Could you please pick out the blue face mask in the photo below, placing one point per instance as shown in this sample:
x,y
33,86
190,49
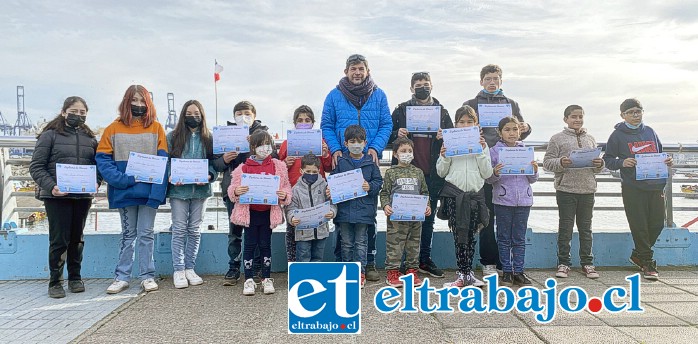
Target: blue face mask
x,y
632,126
498,91
310,178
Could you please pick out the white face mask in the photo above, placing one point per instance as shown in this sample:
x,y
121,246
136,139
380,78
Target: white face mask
x,y
355,148
405,158
243,120
263,151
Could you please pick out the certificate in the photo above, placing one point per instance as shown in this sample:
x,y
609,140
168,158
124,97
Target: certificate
x,y
76,178
516,160
146,168
346,185
423,118
582,158
409,207
311,217
189,171
304,141
263,188
491,114
462,141
231,138
651,166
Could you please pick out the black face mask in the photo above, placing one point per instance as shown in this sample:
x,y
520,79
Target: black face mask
x,y
422,93
310,178
138,111
192,122
74,120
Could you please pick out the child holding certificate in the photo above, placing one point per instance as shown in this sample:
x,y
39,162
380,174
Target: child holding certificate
x,y
355,215
643,199
462,199
135,130
303,118
310,191
512,198
403,236
64,140
190,139
574,190
259,220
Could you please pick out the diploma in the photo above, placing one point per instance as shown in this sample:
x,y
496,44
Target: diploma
x,y
311,217
582,158
516,160
409,207
462,141
423,118
189,171
231,138
77,179
263,188
651,166
346,185
304,141
491,114
146,168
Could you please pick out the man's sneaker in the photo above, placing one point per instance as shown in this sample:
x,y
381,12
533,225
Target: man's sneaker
x,y
231,277
363,280
417,280
56,292
149,285
392,278
635,260
470,279
180,280
489,270
458,283
650,272
76,286
507,279
563,271
430,268
268,284
590,271
521,279
249,287
371,273
117,287
192,277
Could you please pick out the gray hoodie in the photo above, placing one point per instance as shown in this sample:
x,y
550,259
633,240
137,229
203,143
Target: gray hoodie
x,y
306,196
572,180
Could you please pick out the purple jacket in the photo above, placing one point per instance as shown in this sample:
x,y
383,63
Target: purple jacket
x,y
511,191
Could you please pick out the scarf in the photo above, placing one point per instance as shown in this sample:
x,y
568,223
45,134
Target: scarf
x,y
357,94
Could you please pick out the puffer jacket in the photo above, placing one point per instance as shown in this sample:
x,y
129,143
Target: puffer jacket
x,y
362,209
74,146
338,113
572,180
490,134
508,190
306,196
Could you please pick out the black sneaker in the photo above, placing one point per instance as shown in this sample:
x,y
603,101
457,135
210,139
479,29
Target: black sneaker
x,y
231,277
76,286
635,260
507,279
650,272
56,292
430,268
372,274
521,279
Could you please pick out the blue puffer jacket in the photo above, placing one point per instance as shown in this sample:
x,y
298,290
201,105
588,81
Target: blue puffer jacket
x,y
338,113
362,209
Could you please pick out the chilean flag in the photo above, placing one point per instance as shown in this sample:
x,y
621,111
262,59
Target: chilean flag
x,y
217,71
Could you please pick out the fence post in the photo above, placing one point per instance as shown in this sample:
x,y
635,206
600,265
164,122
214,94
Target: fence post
x,y
669,199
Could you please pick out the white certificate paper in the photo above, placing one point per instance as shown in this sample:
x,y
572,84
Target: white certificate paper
x,y
189,171
423,119
516,160
77,179
304,141
263,188
231,138
491,114
462,141
311,217
409,207
146,168
651,166
346,185
582,158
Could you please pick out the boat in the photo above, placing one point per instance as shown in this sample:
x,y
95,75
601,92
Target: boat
x,y
689,191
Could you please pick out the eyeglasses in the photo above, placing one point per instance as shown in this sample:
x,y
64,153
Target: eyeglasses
x,y
420,74
488,79
635,113
355,58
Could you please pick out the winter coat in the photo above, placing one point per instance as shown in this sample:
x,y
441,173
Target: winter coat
x,y
626,143
193,149
362,209
508,190
571,180
307,196
490,133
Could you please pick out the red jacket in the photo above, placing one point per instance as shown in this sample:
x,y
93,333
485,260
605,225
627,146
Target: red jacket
x,y
294,172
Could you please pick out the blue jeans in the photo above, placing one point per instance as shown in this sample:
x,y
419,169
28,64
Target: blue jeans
x,y
354,242
310,251
136,225
511,236
371,248
187,215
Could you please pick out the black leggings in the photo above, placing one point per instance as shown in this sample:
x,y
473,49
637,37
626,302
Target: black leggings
x,y
66,222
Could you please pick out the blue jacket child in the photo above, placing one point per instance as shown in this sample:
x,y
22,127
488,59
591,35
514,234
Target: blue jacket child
x,y
362,209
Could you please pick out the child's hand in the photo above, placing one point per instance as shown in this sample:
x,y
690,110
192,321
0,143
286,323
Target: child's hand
x,y
241,190
524,127
329,215
535,166
327,192
57,192
629,162
402,132
440,134
388,210
443,151
498,169
290,160
428,212
281,194
229,156
669,161
325,149
483,143
598,162
565,162
295,221
365,186
177,183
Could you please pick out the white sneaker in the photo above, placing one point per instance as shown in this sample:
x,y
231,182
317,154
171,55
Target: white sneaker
x,y
474,281
180,279
268,284
149,285
117,287
489,270
192,277
249,287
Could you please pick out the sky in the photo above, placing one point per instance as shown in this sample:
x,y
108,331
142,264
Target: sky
x,y
281,54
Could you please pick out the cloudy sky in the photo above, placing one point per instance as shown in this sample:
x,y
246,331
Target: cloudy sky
x,y
281,54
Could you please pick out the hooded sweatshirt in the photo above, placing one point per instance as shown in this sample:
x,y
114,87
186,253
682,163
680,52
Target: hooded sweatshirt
x,y
626,143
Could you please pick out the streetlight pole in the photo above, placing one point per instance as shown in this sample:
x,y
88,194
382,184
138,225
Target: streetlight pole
x,y
283,132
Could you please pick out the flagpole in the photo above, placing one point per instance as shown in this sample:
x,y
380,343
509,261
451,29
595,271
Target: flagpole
x,y
215,89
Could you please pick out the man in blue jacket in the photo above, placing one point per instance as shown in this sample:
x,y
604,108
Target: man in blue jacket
x,y
357,100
